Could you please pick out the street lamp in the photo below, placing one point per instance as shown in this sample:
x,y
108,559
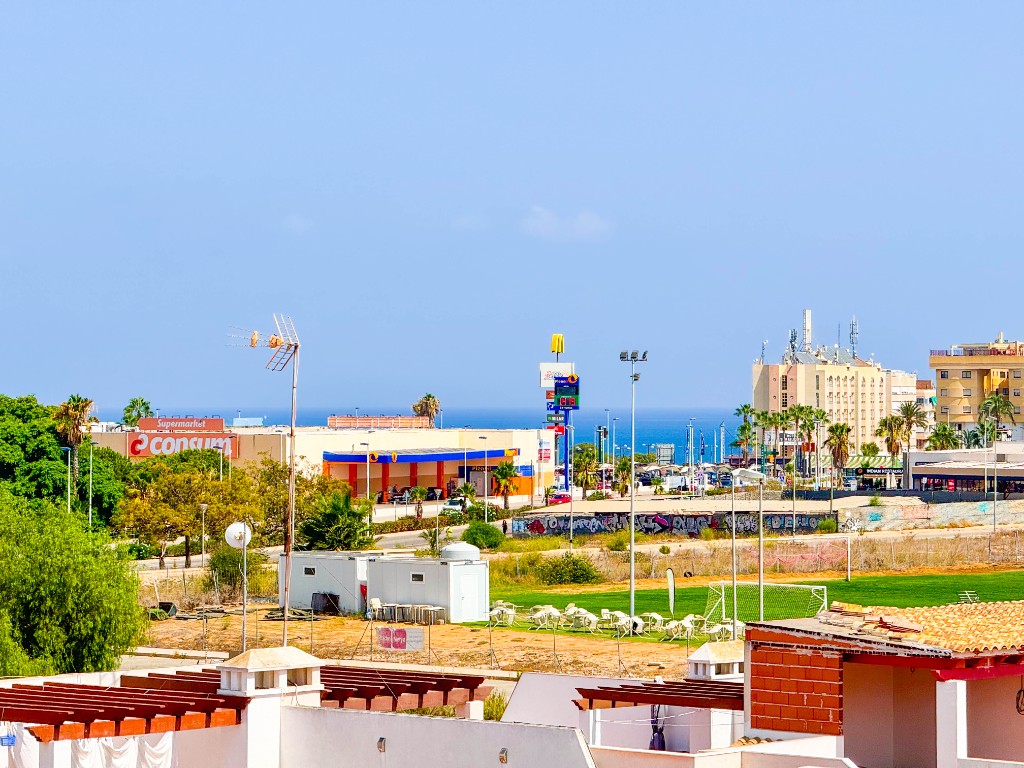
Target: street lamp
x,y
607,426
202,542
68,452
571,527
614,446
632,358
486,488
742,474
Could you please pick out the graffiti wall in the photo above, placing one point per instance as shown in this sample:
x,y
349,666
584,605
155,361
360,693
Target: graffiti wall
x,y
679,525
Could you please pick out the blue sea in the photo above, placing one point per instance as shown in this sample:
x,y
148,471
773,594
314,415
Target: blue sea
x,y
653,425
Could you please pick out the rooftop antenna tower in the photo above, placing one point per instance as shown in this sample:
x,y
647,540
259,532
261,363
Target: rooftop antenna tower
x,y
854,335
792,340
807,330
764,343
284,344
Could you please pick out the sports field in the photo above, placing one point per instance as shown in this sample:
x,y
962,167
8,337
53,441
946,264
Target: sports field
x,y
896,591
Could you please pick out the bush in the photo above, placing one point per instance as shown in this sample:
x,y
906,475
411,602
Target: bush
x,y
598,496
707,534
532,544
137,551
619,541
568,569
664,549
226,563
483,535
828,525
494,705
875,501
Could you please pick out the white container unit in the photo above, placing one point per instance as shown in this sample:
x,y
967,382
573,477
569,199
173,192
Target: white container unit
x,y
336,573
458,582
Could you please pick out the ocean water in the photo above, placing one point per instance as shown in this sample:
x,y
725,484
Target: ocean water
x,y
653,425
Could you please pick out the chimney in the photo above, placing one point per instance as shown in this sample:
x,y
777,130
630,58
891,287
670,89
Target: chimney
x,y
807,330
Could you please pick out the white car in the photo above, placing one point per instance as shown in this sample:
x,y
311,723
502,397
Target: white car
x,y
454,504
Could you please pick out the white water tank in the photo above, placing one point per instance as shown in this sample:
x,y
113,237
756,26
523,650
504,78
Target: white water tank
x,y
460,550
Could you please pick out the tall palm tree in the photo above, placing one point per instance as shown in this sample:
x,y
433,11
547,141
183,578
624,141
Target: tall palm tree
x,y
137,408
800,416
997,407
419,495
505,475
70,420
744,436
943,438
762,421
890,429
911,417
838,444
428,406
584,468
747,412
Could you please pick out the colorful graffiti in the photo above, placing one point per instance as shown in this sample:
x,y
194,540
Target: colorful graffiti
x,y
679,525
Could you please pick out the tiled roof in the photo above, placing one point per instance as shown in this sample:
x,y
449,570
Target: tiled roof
x,y
959,627
727,652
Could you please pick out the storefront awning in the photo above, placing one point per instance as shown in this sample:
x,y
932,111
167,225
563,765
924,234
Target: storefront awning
x,y
416,455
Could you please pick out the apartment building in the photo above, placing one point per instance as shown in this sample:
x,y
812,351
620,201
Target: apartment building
x,y
850,390
966,373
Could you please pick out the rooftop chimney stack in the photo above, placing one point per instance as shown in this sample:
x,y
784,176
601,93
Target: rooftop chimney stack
x,y
807,330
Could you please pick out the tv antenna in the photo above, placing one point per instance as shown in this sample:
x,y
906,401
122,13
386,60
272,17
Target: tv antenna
x,y
285,346
854,335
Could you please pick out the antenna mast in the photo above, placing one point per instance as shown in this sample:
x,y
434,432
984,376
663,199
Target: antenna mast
x,y
854,335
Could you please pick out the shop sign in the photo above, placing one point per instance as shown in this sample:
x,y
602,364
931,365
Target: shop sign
x,y
550,371
146,444
400,638
181,424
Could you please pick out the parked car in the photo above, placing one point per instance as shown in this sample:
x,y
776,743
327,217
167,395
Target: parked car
x,y
435,494
559,498
455,504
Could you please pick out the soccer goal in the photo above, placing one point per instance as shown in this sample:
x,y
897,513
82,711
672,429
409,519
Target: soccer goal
x,y
781,601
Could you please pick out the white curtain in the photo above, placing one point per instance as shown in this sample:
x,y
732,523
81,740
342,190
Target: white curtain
x,y
86,753
154,751
25,752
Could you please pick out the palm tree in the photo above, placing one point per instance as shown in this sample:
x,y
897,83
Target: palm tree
x,y
838,444
745,412
137,408
467,491
911,416
762,421
997,407
622,478
505,475
890,429
799,416
973,437
744,436
584,469
70,419
428,406
943,438
418,494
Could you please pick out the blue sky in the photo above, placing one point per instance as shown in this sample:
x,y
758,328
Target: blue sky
x,y
431,190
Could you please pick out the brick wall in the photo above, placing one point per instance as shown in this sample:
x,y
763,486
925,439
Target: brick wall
x,y
795,689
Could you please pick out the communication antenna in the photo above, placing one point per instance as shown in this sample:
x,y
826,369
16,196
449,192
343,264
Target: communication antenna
x,y
285,345
792,340
854,335
764,344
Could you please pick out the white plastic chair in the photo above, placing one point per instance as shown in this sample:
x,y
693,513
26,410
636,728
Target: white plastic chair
x,y
376,608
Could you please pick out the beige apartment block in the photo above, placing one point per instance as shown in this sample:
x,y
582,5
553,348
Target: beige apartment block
x,y
966,373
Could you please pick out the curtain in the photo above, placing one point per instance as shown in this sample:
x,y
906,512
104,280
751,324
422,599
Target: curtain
x,y
156,750
152,751
25,752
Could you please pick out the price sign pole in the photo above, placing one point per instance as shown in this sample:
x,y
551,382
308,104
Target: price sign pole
x,y
566,398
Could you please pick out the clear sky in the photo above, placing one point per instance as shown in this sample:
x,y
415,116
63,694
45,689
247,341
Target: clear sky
x,y
432,189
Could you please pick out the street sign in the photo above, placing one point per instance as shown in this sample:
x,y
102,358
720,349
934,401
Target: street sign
x,y
567,392
556,418
551,406
549,394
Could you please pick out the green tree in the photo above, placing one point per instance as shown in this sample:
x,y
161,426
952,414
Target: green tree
x,y
31,465
505,475
584,467
744,437
71,419
467,491
428,406
483,535
838,445
658,483
944,437
911,417
418,495
800,416
870,449
997,407
436,538
70,598
622,476
137,408
339,523
890,429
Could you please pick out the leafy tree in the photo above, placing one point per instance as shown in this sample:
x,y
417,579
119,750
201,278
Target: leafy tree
x,y
483,535
658,484
14,661
31,464
436,538
71,419
997,407
428,406
869,449
467,491
418,495
911,417
339,523
584,467
745,435
890,429
137,408
505,475
943,438
71,600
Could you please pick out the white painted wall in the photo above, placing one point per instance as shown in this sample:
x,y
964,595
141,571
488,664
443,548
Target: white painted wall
x,y
460,587
544,699
336,573
868,714
913,718
313,737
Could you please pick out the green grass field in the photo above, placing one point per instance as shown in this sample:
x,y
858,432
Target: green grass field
x,y
895,591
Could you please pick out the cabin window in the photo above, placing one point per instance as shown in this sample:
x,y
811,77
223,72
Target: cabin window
x,y
308,570
416,577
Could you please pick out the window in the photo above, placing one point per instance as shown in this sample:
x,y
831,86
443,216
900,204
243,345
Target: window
x,y
308,570
1016,409
945,409
967,409
785,401
1006,391
965,374
943,374
817,382
942,393
785,383
967,393
415,577
1016,374
1016,393
817,401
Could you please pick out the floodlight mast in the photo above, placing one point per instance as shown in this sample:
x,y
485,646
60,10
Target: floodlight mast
x,y
285,344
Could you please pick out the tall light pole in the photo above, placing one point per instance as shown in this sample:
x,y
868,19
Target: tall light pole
x,y
632,358
607,426
68,452
486,484
367,444
614,446
740,474
238,536
202,542
571,519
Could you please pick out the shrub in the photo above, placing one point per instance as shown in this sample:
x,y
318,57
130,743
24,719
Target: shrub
x,y
707,534
532,544
619,541
494,705
598,496
483,535
664,549
226,563
875,501
828,525
568,569
138,551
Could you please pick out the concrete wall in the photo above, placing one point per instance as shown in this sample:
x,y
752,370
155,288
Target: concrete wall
x,y
319,737
991,715
461,588
543,699
337,575
868,714
914,718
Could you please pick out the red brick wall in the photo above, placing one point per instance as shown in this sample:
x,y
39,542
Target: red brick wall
x,y
794,689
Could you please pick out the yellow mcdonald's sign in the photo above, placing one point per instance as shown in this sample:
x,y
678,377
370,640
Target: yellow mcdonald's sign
x,y
557,343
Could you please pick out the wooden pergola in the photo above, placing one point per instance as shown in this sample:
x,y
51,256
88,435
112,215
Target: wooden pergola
x,y
699,694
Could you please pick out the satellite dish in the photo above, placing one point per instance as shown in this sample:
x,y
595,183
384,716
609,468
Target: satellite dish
x,y
238,535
